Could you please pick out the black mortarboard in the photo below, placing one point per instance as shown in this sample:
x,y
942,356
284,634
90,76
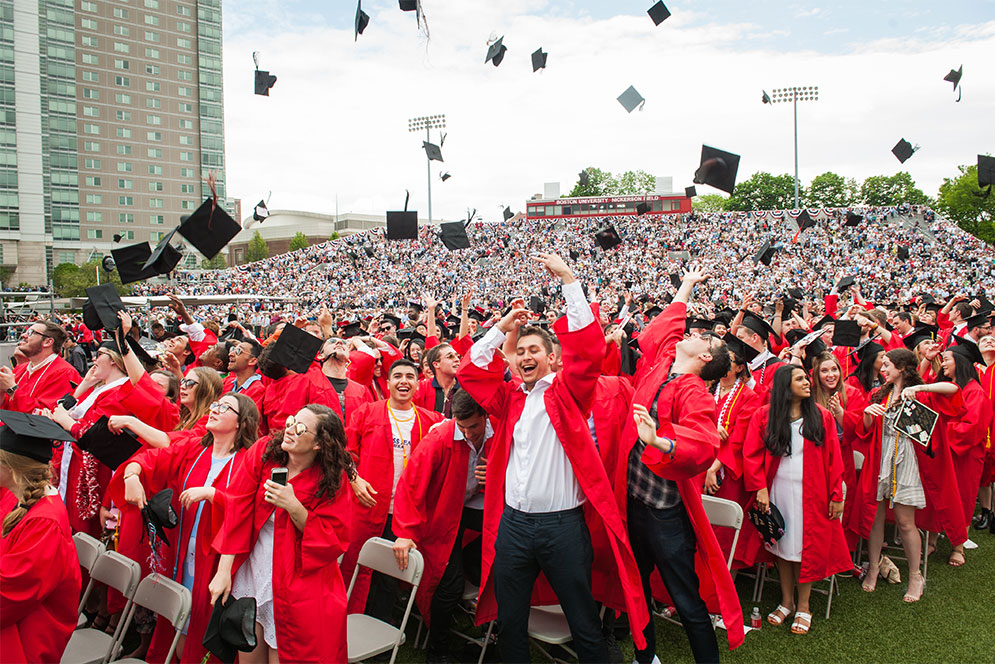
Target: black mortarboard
x,y
362,20
165,257
30,435
507,213
410,333
968,349
954,76
659,13
642,208
105,303
477,315
921,333
260,213
765,254
845,282
846,333
690,192
852,218
417,306
295,349
758,325
630,99
209,228
825,320
353,329
653,311
453,235
585,179
107,263
986,170
496,51
453,319
231,628
444,176
607,238
978,319
747,353
696,323
130,262
539,59
574,254
903,150
407,5
158,515
718,168
903,252
395,320
868,349
676,280
264,81
402,225
796,293
432,151
537,304
804,220
108,448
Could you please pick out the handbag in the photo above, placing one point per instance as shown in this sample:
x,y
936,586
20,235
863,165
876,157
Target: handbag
x,y
770,524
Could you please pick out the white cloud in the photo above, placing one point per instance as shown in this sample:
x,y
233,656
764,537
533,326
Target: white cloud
x,y
336,121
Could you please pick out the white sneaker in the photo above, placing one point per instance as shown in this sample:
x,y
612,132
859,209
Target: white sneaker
x,y
970,544
656,660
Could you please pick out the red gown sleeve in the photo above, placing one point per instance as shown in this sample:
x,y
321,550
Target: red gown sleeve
x,y
582,353
462,344
431,342
486,386
832,304
361,366
662,334
411,498
326,531
238,505
612,364
697,439
755,452
834,467
26,577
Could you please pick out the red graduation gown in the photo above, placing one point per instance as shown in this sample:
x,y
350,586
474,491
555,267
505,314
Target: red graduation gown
x,y
41,389
988,385
428,504
853,412
362,366
689,405
968,435
39,585
286,396
428,394
567,401
371,444
824,548
763,378
943,510
309,595
255,391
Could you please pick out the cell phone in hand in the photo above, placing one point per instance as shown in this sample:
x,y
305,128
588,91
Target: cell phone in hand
x,y
279,476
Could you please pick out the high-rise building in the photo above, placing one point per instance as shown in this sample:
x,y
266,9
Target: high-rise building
x,y
111,118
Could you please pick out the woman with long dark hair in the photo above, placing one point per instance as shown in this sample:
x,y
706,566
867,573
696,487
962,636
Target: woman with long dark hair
x,y
791,458
867,376
286,539
915,483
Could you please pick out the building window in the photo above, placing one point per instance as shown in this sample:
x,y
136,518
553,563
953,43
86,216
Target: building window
x,y
120,12
186,188
155,203
95,217
127,218
121,48
154,136
152,70
187,173
91,146
184,75
122,30
183,26
124,149
152,102
153,119
91,163
92,181
90,59
151,19
122,99
91,111
88,24
184,91
152,4
155,169
125,184
88,41
121,64
124,116
124,167
126,201
124,132
184,59
156,236
91,76
155,186
88,6
186,108
90,93
152,53
155,153
188,205
186,140
186,156
186,124
91,129
94,199
182,11
157,220
151,36
183,43
123,81
94,233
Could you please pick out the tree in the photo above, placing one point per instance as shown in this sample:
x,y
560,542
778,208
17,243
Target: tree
x,y
69,282
335,235
299,241
603,183
961,201
599,183
632,183
764,191
827,190
891,190
257,249
216,263
708,203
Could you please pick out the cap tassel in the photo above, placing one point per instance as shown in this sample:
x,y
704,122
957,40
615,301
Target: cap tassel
x,y
211,181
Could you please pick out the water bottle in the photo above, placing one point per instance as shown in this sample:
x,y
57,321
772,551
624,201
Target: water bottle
x,y
668,611
755,618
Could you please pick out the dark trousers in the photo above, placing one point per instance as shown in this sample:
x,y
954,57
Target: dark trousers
x,y
449,592
663,539
559,545
383,589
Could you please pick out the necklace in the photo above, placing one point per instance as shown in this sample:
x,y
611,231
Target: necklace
x,y
734,392
894,456
397,426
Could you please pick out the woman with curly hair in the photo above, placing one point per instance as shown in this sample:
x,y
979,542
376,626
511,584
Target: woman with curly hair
x,y
282,541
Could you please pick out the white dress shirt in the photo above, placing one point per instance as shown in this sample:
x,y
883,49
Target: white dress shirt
x,y
473,497
539,477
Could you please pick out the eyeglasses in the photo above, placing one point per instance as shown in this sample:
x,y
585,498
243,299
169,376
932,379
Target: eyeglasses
x,y
221,408
28,332
237,350
189,382
298,428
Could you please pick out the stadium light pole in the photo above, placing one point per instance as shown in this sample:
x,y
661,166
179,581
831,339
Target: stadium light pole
x,y
794,94
428,123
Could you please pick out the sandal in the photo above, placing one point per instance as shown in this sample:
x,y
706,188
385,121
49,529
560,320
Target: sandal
x,y
871,579
909,597
954,562
799,627
778,615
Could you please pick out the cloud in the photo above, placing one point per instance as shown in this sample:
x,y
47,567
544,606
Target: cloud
x,y
335,126
814,11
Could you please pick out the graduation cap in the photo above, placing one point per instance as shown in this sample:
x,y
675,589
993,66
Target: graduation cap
x,y
539,60
574,254
903,252
642,208
165,257
676,280
295,349
30,435
978,319
453,235
846,333
765,98
496,51
845,282
130,262
537,304
868,350
795,293
630,99
117,237
411,333
209,228
903,150
402,225
745,352
653,311
408,5
159,515
954,76
263,82
967,349
432,151
607,238
690,192
804,220
362,20
231,628
394,320
764,254
584,179
758,325
260,213
368,250
717,168
108,264
353,329
696,323
444,176
108,448
659,13
477,315
922,332
104,304
507,213
853,219
825,320
986,173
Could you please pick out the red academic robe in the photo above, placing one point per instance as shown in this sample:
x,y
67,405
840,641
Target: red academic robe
x,y
286,396
41,389
689,405
428,504
39,585
612,363
988,385
183,465
968,435
824,548
362,367
568,401
197,348
309,595
763,378
371,444
943,510
429,394
462,345
255,391
853,411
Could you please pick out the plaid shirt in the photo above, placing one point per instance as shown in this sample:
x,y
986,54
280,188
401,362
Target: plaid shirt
x,y
645,485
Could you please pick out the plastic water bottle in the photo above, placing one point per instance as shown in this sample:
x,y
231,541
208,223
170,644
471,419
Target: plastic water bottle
x,y
755,621
668,611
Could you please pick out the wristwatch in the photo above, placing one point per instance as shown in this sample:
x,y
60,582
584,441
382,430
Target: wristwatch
x,y
10,390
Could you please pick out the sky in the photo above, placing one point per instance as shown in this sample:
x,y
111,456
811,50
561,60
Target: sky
x,y
333,134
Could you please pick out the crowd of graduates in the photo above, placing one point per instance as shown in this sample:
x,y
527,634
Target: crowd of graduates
x,y
547,434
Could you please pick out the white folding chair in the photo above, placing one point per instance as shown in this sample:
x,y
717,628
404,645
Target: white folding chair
x,y
90,646
88,549
164,597
366,635
548,624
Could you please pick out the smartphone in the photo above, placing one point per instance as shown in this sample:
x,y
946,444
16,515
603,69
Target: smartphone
x,y
279,475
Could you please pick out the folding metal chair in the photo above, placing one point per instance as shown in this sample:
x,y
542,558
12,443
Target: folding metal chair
x,y
88,549
166,598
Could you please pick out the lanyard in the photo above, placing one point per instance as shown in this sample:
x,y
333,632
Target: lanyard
x,y
404,450
183,487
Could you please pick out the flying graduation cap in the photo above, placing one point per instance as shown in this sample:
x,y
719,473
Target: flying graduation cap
x,y
765,98
402,225
690,192
209,228
496,51
608,238
295,349
408,5
260,213
539,60
131,261
853,219
903,150
659,13
264,80
444,176
717,168
362,20
507,213
432,151
986,174
631,99
642,208
584,179
764,254
165,257
954,77
453,235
